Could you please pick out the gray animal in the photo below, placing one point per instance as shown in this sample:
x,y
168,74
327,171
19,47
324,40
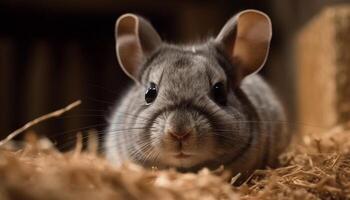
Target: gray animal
x,y
197,105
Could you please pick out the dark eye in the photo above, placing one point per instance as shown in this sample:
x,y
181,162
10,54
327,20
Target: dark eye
x,y
151,93
219,93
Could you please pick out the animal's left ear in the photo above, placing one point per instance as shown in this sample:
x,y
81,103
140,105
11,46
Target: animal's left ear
x,y
136,39
246,39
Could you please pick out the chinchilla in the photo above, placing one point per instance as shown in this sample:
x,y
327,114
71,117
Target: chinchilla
x,y
196,105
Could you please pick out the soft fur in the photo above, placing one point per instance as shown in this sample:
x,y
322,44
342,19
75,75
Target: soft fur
x,y
244,134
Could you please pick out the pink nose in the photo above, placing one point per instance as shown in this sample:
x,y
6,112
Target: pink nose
x,y
179,135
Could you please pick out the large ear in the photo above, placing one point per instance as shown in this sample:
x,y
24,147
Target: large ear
x,y
135,40
246,38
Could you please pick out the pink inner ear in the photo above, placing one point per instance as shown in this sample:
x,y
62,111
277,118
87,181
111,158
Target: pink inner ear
x,y
135,40
253,40
127,44
255,27
128,53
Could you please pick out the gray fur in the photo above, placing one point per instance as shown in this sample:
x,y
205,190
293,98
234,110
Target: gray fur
x,y
186,77
245,134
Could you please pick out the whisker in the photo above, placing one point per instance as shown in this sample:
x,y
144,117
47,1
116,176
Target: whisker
x,y
138,152
100,101
133,115
102,87
81,116
93,110
101,134
274,122
85,128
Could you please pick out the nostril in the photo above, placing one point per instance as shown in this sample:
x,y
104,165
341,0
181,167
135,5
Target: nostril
x,y
179,135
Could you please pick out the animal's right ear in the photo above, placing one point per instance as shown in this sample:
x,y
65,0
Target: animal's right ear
x,y
246,39
135,39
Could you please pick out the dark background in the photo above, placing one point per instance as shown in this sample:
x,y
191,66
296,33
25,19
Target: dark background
x,y
54,52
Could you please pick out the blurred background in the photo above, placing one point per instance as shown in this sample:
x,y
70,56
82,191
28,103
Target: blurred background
x,y
54,52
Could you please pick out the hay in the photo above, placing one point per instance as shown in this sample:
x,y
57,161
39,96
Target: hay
x,y
28,125
318,167
313,168
39,171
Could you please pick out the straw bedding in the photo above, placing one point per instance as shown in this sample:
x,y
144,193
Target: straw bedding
x,y
314,167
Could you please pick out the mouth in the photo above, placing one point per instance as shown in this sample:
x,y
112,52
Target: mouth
x,y
181,159
182,155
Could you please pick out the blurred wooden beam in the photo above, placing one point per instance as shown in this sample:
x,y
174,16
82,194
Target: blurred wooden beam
x,y
323,64
7,78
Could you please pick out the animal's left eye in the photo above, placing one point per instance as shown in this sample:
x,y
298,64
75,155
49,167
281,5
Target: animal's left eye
x,y
219,93
151,93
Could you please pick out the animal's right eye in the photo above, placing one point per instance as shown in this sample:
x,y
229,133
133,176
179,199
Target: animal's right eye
x,y
219,93
151,93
